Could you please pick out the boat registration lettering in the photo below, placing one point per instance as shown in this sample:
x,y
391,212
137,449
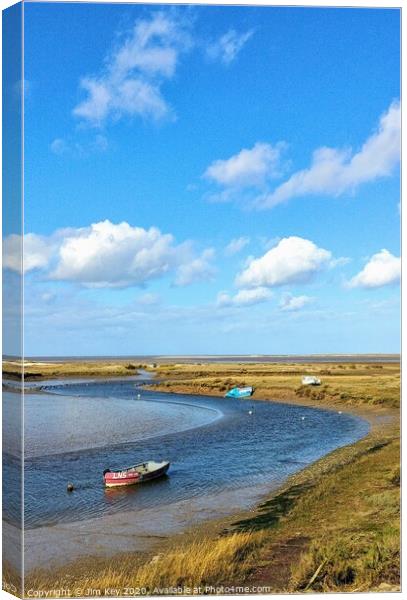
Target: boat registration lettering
x,y
124,475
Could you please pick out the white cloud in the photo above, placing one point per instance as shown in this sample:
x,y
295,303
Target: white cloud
x,y
382,269
268,243
292,260
292,303
37,252
64,147
336,171
131,82
236,245
196,270
109,255
224,299
339,262
228,46
247,168
58,146
12,252
244,297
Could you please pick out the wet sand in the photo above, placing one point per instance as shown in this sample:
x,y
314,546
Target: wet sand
x,y
141,531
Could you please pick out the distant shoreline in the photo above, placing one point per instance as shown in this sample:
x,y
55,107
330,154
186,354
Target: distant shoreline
x,y
218,358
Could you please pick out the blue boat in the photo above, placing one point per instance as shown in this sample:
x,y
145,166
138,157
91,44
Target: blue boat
x,y
240,392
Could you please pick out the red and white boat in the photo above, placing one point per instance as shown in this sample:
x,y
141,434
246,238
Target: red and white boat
x,y
136,474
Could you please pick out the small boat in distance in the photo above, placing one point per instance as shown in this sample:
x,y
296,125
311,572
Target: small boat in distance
x,y
240,392
135,474
310,380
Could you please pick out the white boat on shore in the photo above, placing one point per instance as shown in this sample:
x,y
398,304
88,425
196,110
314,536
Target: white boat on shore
x,y
310,380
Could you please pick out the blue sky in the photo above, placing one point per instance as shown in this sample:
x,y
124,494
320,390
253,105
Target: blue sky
x,y
211,180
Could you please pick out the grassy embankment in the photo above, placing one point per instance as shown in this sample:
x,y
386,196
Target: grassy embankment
x,y
87,368
351,384
338,529
333,527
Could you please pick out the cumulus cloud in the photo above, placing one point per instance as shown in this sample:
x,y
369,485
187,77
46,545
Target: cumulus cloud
x,y
244,297
291,303
196,270
335,171
382,269
132,79
292,260
247,176
37,252
249,167
108,255
236,245
13,252
228,46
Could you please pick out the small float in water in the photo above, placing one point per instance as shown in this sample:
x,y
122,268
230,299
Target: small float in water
x,y
135,474
240,392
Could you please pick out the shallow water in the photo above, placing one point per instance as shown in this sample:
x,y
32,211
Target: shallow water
x,y
75,423
214,445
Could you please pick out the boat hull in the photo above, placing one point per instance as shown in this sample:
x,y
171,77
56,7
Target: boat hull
x,y
236,392
136,474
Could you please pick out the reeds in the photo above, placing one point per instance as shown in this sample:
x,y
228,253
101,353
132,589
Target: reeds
x,y
207,562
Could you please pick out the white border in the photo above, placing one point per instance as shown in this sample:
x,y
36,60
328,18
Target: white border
x,y
319,3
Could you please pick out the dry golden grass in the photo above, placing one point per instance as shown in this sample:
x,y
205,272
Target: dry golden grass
x,y
95,368
342,383
11,579
355,384
200,563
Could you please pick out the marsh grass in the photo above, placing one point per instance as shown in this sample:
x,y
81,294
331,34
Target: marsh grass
x,y
203,562
86,368
341,514
349,565
11,579
371,384
356,384
352,517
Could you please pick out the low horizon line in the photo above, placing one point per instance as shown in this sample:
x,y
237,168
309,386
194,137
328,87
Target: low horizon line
x,y
251,355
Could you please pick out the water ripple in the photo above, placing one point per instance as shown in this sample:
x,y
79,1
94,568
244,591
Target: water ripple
x,y
213,444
